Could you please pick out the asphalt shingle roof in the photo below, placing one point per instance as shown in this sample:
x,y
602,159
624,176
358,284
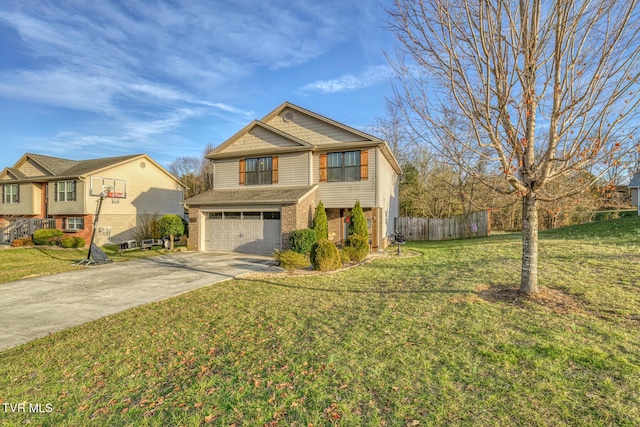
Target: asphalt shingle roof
x,y
272,195
71,168
635,181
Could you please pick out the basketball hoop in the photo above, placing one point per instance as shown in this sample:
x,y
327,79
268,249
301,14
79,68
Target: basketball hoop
x,y
115,195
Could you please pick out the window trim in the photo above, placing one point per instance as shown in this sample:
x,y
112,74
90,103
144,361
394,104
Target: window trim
x,y
67,192
342,168
66,227
11,197
261,176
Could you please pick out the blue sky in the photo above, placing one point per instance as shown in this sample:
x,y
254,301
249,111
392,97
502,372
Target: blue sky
x,y
85,79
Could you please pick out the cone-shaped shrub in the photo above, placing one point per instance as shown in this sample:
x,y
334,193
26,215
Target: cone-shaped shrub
x,y
358,224
320,222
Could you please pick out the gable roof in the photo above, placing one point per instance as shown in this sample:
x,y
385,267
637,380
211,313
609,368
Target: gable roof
x,y
342,126
635,181
70,169
298,144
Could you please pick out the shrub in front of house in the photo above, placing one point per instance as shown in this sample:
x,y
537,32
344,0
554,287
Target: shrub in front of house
x,y
358,247
320,222
290,260
358,224
345,257
46,236
68,242
325,256
72,242
300,241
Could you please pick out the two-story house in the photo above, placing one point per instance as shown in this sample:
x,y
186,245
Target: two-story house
x,y
270,176
66,193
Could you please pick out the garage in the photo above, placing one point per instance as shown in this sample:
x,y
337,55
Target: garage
x,y
243,231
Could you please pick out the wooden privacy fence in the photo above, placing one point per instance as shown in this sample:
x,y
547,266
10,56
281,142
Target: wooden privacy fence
x,y
475,224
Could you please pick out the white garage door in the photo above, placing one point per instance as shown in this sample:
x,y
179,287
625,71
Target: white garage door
x,y
249,232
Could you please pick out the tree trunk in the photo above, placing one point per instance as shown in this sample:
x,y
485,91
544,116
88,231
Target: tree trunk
x,y
529,276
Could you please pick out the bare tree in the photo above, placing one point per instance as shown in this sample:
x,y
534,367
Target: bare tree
x,y
549,88
195,172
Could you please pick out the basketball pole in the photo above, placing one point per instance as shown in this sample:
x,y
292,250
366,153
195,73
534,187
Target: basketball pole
x,y
103,196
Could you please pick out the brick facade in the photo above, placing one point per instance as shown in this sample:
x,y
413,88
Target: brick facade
x,y
193,241
85,233
295,217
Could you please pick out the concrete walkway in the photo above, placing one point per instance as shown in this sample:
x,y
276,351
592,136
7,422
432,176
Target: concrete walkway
x,y
33,308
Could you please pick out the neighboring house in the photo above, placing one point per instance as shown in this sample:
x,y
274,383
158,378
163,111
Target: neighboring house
x,y
270,176
634,186
67,191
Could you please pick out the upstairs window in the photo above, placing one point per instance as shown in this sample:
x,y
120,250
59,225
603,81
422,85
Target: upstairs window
x,y
259,171
11,193
65,191
343,166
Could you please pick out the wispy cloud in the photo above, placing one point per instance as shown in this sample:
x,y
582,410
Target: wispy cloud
x,y
371,76
144,65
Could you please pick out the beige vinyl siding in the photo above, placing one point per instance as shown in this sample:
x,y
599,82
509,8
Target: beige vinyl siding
x,y
116,228
259,139
76,207
312,130
26,205
148,190
30,168
387,193
344,194
293,170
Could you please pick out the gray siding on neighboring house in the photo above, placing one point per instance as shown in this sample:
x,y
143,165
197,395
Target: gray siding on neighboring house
x,y
388,197
312,130
293,171
634,196
344,194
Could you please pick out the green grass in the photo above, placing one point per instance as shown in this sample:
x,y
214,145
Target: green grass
x,y
387,343
20,263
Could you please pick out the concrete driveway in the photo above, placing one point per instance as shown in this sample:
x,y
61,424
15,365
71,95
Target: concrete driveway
x,y
33,308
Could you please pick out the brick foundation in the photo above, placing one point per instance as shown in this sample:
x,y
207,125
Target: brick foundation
x,y
85,234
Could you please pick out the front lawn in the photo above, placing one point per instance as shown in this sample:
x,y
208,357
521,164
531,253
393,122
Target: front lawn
x,y
436,339
20,263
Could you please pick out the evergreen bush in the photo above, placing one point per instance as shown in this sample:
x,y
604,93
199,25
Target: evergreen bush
x,y
320,222
42,236
290,260
79,242
358,247
358,224
325,256
300,241
345,257
68,242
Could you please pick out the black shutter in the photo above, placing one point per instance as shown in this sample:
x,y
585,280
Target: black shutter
x,y
55,191
64,223
3,193
73,191
17,193
81,224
